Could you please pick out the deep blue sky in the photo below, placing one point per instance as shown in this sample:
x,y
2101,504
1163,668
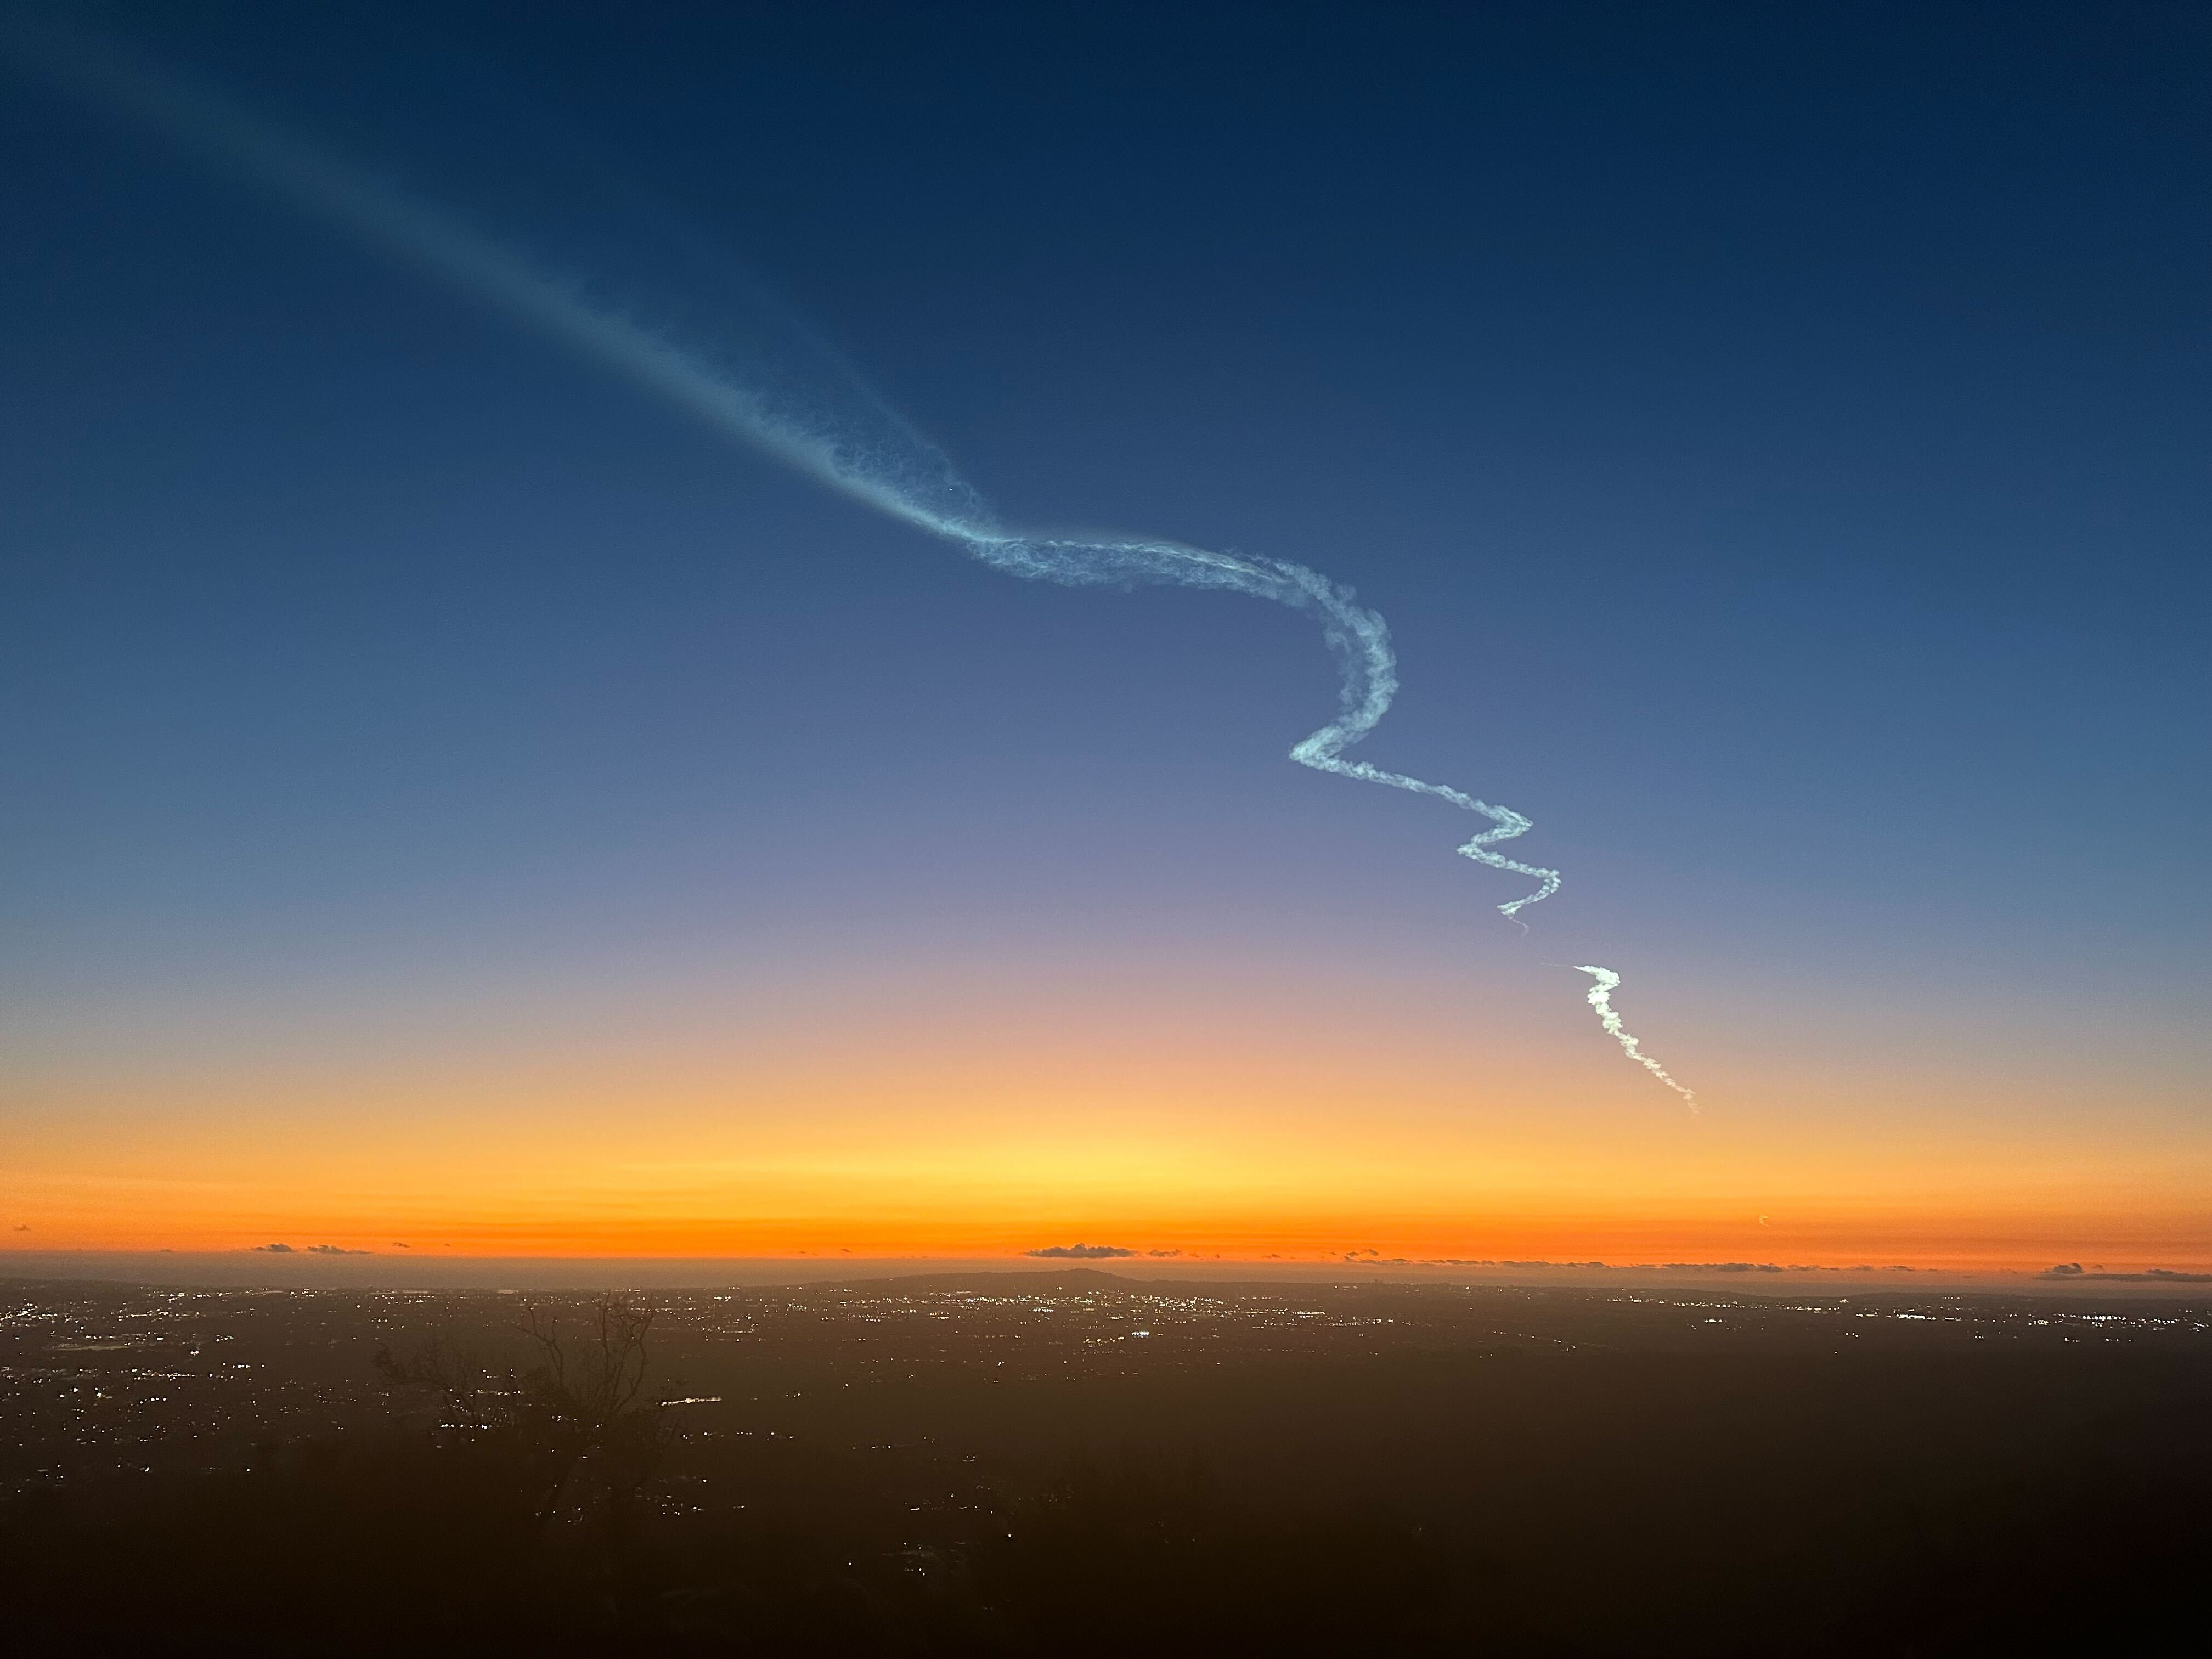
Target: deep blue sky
x,y
1777,435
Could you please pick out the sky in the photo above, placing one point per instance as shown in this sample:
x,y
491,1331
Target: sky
x,y
457,801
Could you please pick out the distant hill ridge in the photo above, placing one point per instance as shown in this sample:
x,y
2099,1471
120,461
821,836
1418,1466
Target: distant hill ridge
x,y
1013,1279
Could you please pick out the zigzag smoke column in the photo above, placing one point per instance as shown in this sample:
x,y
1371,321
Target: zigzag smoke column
x,y
795,401
1358,636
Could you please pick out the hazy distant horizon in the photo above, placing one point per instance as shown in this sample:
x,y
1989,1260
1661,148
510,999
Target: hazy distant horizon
x,y
307,1269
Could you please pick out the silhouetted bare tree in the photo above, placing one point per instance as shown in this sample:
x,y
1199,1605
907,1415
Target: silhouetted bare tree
x,y
581,1409
462,1392
587,1407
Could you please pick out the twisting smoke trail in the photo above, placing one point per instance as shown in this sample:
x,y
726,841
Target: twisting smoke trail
x,y
830,427
1358,636
824,423
1599,997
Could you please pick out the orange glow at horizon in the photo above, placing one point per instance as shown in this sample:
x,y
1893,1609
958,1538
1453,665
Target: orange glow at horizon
x,y
974,1123
1552,1180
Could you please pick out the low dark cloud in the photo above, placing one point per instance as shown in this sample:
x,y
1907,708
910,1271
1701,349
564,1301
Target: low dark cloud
x,y
1162,1253
1081,1252
2148,1276
276,1249
332,1249
24,1227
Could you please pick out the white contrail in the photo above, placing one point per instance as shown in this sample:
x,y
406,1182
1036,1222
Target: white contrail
x,y
826,426
833,431
1600,998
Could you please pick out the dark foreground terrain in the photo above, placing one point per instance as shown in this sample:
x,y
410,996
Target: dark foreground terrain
x,y
1077,1463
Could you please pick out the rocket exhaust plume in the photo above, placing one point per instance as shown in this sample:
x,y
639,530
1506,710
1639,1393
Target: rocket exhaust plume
x,y
1599,997
820,421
